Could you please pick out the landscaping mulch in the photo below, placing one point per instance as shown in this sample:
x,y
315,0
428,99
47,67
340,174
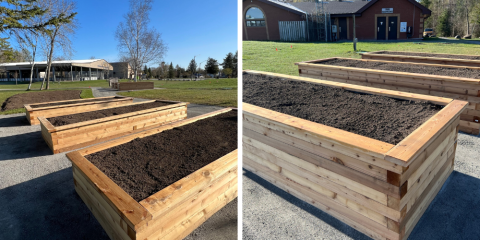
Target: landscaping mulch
x,y
431,55
404,67
379,117
147,165
87,116
18,100
72,102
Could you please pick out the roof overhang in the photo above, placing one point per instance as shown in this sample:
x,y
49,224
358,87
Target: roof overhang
x,y
296,11
425,10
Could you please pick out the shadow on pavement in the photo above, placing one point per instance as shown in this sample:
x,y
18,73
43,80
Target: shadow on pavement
x,y
340,226
25,145
47,208
453,214
455,211
18,121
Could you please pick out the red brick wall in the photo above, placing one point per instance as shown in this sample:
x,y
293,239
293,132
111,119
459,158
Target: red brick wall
x,y
366,23
273,14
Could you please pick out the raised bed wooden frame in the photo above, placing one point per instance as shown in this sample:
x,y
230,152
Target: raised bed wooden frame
x,y
67,109
378,188
125,86
420,59
172,213
82,134
466,89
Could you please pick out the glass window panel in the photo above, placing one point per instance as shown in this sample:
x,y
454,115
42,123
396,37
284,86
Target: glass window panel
x,y
254,13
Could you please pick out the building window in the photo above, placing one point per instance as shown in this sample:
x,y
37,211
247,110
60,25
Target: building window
x,y
254,17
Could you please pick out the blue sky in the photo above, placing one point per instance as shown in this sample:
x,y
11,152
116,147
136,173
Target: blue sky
x,y
190,28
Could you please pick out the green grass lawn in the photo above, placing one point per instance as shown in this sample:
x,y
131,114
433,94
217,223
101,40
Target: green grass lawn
x,y
218,92
210,83
86,93
262,56
216,97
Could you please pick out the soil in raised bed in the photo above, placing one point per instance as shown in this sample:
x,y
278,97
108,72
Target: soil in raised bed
x,y
18,100
147,165
72,102
403,67
386,119
431,55
87,116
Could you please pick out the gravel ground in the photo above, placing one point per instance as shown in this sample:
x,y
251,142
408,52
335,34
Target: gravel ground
x,y
37,195
271,213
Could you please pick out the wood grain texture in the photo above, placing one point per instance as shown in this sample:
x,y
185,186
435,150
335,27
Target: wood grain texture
x,y
173,212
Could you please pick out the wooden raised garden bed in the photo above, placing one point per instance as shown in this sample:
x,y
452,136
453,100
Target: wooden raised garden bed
x,y
125,86
170,213
80,134
445,59
467,89
60,108
378,188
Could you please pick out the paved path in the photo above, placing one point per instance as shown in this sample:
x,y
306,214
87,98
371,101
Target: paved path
x,y
37,196
271,213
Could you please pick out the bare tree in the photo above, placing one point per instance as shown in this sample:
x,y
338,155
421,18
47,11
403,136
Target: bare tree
x,y
136,40
28,40
57,36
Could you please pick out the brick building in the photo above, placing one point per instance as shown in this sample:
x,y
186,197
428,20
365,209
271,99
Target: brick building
x,y
375,19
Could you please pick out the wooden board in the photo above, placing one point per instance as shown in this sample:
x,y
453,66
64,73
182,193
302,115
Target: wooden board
x,y
172,213
66,109
420,59
465,89
377,188
77,135
125,86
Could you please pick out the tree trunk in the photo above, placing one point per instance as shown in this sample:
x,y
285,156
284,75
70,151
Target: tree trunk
x,y
49,63
34,50
43,82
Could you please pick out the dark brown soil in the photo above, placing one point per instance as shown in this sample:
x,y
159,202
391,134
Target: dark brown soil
x,y
18,100
431,55
401,67
72,102
147,165
386,119
86,116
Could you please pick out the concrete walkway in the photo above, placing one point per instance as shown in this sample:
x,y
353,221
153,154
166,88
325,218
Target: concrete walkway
x,y
37,195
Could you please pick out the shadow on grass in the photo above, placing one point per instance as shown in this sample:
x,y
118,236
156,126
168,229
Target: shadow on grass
x,y
25,145
453,214
47,208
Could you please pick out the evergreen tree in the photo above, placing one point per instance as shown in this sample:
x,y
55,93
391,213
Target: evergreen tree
x,y
228,61
15,13
444,25
171,72
178,73
192,67
211,67
235,65
145,70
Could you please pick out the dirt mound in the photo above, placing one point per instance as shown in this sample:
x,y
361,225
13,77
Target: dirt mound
x,y
17,101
